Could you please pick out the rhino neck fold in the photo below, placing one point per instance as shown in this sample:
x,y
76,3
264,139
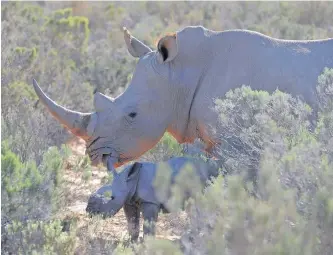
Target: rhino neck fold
x,y
192,61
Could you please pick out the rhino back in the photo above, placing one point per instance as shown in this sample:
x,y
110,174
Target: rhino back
x,y
205,170
236,58
146,190
265,63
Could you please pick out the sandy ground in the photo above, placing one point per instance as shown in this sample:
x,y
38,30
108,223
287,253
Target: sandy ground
x,y
77,191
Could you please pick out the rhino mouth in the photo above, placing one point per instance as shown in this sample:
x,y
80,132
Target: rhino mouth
x,y
96,206
94,210
98,155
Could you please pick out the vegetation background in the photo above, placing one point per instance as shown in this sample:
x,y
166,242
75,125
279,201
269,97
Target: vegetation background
x,y
73,48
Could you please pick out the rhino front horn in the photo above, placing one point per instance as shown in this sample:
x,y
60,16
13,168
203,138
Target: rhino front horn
x,y
76,122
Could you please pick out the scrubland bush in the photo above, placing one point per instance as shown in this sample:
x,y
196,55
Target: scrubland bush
x,y
29,133
28,190
166,148
325,124
286,206
252,120
29,194
38,237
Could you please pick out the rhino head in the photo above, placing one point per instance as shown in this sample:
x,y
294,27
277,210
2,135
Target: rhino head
x,y
109,199
155,102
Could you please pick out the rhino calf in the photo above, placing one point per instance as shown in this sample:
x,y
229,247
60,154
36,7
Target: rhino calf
x,y
134,190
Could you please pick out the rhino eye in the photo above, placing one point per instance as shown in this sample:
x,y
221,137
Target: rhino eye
x,y
132,114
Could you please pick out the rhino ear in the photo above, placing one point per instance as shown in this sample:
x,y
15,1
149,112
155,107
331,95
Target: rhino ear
x,y
102,102
167,48
135,47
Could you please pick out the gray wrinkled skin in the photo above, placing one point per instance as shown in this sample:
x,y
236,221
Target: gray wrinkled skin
x,y
133,189
176,95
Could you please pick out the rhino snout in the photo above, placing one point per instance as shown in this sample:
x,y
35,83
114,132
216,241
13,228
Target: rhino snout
x,y
94,203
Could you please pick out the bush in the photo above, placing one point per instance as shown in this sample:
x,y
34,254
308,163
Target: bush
x,y
29,194
166,147
38,237
29,133
28,191
252,120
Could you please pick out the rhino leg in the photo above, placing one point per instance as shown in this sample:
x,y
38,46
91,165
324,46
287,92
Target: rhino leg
x,y
150,214
132,213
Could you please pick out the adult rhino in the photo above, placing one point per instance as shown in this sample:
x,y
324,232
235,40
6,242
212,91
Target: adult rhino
x,y
173,88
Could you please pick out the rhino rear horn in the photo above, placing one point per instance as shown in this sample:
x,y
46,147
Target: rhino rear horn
x,y
76,122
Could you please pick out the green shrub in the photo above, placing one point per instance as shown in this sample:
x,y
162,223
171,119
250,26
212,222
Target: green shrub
x,y
38,237
28,191
20,90
324,128
250,120
29,133
166,147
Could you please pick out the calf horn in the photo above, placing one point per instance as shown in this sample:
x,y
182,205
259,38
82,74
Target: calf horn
x,y
76,122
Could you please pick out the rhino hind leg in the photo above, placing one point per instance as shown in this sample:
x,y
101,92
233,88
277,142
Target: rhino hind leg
x,y
150,215
132,213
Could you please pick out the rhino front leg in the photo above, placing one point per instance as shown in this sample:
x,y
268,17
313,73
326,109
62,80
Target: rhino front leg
x,y
150,214
132,213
